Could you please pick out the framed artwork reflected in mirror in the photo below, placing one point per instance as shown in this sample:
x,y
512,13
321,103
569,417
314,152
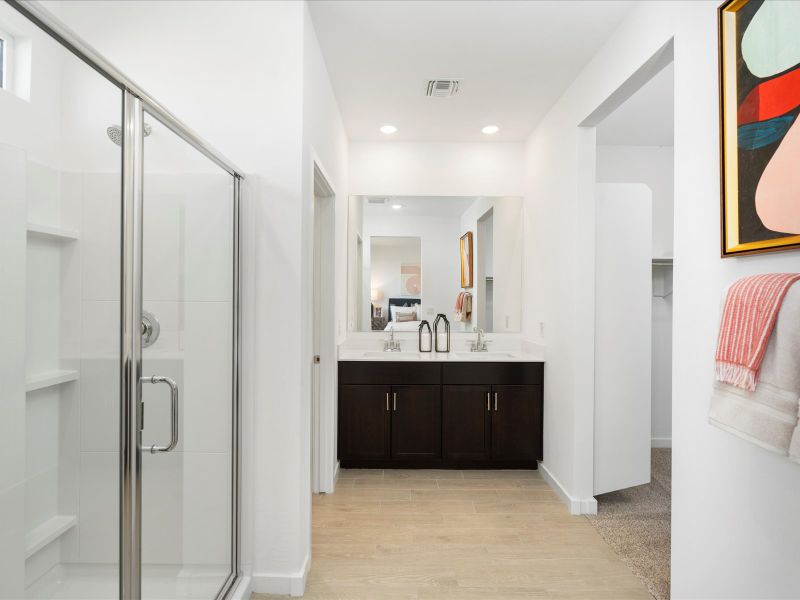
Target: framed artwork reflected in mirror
x,y
466,260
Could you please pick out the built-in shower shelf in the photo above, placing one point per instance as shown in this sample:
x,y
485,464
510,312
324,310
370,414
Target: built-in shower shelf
x,y
47,532
53,233
49,379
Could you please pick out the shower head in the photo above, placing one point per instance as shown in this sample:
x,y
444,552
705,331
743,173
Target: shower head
x,y
115,133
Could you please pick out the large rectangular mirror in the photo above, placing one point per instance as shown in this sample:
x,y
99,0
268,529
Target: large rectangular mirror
x,y
411,258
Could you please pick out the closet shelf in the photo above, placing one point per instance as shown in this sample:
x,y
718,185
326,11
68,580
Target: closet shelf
x,y
47,532
49,379
54,233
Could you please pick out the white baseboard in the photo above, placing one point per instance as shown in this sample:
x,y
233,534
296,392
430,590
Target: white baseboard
x,y
282,584
243,589
661,442
336,472
576,506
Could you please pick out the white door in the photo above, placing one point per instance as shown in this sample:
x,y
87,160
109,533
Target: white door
x,y
623,296
315,366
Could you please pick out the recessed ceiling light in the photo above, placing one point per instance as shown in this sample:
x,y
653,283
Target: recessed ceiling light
x,y
388,129
490,129
397,206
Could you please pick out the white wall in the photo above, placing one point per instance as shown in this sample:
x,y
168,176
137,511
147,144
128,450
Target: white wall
x,y
260,94
325,144
736,529
436,169
653,166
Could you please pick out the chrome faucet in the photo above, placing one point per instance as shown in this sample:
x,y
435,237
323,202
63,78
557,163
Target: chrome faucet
x,y
481,344
391,345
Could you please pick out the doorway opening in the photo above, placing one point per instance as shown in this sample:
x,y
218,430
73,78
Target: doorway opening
x,y
633,238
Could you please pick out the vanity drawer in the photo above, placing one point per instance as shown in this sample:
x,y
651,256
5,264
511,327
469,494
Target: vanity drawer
x,y
359,372
484,373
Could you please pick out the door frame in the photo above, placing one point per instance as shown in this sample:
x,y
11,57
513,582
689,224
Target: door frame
x,y
584,501
323,317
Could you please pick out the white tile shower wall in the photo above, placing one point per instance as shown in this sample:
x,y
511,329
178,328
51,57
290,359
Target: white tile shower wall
x,y
44,333
52,324
97,491
187,285
12,541
43,193
42,425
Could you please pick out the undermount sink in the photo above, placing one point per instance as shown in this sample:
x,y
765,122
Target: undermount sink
x,y
483,355
393,355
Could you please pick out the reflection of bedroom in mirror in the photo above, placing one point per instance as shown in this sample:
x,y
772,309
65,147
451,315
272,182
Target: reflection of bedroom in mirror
x,y
411,258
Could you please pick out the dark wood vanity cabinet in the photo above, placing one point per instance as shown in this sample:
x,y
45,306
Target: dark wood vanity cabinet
x,y
440,415
516,423
364,422
416,418
467,422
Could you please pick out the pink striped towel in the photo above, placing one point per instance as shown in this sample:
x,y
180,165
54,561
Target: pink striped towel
x,y
751,308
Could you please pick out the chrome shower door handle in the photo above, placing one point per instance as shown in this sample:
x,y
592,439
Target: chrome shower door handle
x,y
174,412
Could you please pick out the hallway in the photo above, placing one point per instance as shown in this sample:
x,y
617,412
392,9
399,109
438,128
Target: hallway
x,y
433,535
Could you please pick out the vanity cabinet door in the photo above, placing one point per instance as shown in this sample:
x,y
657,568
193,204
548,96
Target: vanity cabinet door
x,y
467,418
516,422
364,422
416,422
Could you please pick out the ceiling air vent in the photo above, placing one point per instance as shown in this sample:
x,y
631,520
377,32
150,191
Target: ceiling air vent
x,y
442,88
376,200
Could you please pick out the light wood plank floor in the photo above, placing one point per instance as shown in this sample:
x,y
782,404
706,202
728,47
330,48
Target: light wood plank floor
x,y
430,535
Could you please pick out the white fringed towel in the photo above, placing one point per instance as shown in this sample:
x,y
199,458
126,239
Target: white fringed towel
x,y
768,416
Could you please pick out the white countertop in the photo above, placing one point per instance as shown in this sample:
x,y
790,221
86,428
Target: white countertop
x,y
501,349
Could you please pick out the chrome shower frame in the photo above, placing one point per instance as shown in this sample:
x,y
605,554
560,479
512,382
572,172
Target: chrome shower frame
x,y
135,103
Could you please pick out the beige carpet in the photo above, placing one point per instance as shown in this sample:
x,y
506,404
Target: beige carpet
x,y
636,524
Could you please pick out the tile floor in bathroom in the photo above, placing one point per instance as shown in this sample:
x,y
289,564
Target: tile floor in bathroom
x,y
429,535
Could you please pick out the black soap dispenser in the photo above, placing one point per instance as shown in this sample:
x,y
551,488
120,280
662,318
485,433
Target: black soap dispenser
x,y
441,329
425,337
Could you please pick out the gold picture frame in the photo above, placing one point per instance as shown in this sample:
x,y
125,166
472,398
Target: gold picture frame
x,y
466,260
749,133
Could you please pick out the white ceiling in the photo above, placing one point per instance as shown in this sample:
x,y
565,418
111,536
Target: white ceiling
x,y
515,59
647,118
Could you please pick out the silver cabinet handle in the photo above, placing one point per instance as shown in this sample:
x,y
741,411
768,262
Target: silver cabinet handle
x,y
394,399
495,402
387,400
488,401
174,413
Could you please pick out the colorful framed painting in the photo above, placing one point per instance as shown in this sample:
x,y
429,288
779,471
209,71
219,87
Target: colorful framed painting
x,y
759,60
466,260
410,279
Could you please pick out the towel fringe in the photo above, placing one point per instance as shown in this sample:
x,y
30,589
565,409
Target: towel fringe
x,y
737,375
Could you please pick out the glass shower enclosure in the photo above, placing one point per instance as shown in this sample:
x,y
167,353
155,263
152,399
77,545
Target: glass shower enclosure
x,y
119,371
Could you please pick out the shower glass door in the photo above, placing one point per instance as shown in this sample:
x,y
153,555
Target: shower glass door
x,y
187,369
